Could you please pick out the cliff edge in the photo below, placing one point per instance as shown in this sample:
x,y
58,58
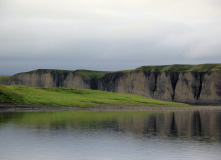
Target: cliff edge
x,y
195,84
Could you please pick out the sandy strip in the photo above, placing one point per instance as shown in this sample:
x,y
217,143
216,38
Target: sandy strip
x,y
28,108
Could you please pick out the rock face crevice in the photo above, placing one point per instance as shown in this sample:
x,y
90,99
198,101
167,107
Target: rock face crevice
x,y
109,82
188,87
197,87
174,78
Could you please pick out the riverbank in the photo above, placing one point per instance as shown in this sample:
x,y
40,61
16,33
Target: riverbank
x,y
30,108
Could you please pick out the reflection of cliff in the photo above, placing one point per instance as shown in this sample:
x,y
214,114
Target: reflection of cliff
x,y
189,87
196,124
173,124
179,124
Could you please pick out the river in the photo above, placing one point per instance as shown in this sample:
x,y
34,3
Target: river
x,y
92,135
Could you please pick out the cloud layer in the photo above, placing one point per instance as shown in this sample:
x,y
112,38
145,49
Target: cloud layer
x,y
107,35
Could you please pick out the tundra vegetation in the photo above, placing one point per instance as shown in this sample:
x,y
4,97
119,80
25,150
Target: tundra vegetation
x,y
73,97
181,68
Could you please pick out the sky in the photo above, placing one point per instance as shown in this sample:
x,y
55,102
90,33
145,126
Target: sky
x,y
107,35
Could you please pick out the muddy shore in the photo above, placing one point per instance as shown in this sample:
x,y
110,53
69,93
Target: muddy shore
x,y
28,108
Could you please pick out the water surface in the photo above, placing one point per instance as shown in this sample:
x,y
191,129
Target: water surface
x,y
84,135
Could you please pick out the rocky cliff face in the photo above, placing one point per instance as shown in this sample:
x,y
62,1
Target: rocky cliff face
x,y
49,79
188,87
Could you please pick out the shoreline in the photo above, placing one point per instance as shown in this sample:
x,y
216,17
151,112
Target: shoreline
x,y
108,108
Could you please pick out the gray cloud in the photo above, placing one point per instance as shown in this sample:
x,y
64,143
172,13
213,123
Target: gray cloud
x,y
107,35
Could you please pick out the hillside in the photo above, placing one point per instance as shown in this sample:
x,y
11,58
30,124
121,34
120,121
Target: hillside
x,y
73,97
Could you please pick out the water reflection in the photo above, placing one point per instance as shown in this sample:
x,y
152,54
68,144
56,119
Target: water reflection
x,y
189,125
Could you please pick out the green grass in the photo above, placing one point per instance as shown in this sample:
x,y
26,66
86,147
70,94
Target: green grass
x,y
181,68
73,97
10,96
88,74
91,74
51,71
4,77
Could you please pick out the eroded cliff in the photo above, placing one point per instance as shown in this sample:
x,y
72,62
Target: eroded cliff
x,y
188,87
165,83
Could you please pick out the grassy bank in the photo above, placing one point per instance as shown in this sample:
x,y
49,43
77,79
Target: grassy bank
x,y
73,97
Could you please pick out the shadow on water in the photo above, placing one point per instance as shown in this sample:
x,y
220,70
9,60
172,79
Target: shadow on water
x,y
173,128
196,124
189,125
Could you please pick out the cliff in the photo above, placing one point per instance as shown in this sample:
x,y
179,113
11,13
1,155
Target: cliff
x,y
196,84
187,87
83,79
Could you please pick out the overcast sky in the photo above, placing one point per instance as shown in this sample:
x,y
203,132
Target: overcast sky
x,y
107,34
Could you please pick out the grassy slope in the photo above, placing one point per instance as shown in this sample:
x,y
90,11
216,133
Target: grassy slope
x,y
10,96
73,97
